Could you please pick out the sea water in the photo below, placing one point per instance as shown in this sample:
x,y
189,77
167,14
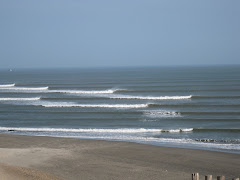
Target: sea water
x,y
191,107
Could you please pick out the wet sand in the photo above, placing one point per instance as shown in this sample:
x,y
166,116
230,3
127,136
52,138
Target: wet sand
x,y
39,157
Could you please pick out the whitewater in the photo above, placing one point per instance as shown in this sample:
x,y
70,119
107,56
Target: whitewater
x,y
182,107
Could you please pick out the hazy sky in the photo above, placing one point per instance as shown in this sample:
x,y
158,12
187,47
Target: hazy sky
x,y
90,33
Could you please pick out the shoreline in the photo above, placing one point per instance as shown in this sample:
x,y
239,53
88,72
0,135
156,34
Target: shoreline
x,y
167,145
69,158
158,144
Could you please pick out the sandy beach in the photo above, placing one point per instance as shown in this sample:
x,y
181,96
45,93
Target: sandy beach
x,y
31,157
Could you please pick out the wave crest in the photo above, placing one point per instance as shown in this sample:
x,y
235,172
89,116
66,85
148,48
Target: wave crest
x,y
158,114
153,98
20,99
6,85
109,91
98,105
24,88
120,130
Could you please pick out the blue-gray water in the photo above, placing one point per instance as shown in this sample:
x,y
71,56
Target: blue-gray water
x,y
192,107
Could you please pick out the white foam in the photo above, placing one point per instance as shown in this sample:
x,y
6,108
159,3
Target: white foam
x,y
109,91
24,88
178,130
11,88
152,98
161,113
97,105
119,130
6,85
124,134
20,99
187,130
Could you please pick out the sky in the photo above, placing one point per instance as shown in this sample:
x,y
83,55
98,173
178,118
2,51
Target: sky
x,y
106,33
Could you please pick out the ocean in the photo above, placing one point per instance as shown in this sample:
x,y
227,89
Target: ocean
x,y
186,107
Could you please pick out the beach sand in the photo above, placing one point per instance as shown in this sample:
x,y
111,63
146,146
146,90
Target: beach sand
x,y
39,157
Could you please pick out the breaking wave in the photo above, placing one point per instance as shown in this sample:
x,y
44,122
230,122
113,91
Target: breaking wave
x,y
6,85
109,91
24,88
152,98
98,105
12,87
20,99
120,130
178,130
129,134
157,114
